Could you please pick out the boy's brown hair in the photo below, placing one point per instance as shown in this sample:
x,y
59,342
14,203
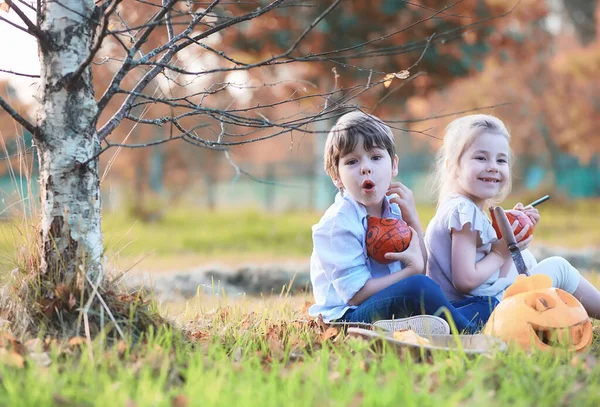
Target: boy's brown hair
x,y
343,136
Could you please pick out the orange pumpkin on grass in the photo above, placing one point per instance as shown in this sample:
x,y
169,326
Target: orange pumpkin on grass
x,y
513,215
534,315
385,235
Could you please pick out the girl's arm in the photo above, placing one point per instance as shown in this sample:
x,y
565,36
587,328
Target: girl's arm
x,y
411,257
466,274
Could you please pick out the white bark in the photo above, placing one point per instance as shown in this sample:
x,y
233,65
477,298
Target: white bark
x,y
70,192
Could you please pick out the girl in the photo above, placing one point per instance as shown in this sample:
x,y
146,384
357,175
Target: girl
x,y
472,266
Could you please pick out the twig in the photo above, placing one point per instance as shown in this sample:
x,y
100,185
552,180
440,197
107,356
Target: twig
x,y
32,28
95,292
17,26
96,47
19,73
20,119
86,326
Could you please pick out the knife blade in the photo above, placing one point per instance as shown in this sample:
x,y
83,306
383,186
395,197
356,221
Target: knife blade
x,y
511,242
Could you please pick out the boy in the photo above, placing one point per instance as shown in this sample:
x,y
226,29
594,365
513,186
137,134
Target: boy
x,y
360,158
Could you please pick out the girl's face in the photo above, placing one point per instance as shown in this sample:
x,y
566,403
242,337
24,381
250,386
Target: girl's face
x,y
367,175
483,169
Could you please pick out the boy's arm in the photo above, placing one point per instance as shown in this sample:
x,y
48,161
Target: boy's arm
x,y
402,196
413,260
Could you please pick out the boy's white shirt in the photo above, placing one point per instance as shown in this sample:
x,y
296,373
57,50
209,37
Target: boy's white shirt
x,y
339,265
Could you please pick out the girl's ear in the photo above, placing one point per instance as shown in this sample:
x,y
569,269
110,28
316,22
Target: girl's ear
x,y
395,165
338,183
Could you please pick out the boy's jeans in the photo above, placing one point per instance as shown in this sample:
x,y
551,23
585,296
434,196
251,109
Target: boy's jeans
x,y
415,295
476,309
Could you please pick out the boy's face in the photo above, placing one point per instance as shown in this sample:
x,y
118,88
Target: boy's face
x,y
367,175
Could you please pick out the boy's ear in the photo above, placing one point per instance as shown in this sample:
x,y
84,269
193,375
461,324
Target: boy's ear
x,y
338,183
395,165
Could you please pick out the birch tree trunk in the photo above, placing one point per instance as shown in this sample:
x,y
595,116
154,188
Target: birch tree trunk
x,y
71,237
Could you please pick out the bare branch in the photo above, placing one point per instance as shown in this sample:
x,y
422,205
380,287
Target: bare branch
x,y
128,63
19,73
132,146
15,115
311,26
449,114
161,59
153,24
432,9
29,6
168,22
220,53
119,115
96,47
31,28
17,26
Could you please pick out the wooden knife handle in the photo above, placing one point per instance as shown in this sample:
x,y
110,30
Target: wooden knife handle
x,y
505,228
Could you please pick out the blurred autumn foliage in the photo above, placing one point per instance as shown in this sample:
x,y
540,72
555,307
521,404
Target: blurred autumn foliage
x,y
545,65
536,61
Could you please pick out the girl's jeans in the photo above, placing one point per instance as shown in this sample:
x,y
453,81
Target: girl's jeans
x,y
416,295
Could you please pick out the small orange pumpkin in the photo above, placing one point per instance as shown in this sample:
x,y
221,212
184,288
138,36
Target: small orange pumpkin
x,y
513,215
535,315
385,235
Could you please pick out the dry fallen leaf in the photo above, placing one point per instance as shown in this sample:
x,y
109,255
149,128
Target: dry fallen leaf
x,y
305,307
387,80
410,336
331,332
11,358
179,401
76,340
121,348
402,74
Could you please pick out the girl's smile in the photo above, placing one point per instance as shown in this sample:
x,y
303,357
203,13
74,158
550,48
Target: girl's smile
x,y
484,168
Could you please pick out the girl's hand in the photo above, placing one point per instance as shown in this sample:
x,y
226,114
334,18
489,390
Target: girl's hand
x,y
412,256
401,195
501,247
522,244
530,211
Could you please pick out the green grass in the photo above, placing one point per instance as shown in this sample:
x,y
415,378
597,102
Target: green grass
x,y
200,235
262,358
571,224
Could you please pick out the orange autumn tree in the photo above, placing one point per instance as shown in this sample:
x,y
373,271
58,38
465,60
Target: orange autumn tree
x,y
544,84
343,50
173,70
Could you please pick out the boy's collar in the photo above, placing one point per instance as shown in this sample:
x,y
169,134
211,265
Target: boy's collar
x,y
388,208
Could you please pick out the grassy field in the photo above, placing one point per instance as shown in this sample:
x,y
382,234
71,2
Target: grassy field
x,y
186,237
266,351
272,356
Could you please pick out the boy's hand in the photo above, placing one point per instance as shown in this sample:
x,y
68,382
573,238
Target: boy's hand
x,y
530,211
412,256
401,195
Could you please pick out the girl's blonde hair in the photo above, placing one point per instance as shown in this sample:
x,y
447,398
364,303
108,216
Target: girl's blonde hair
x,y
460,134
